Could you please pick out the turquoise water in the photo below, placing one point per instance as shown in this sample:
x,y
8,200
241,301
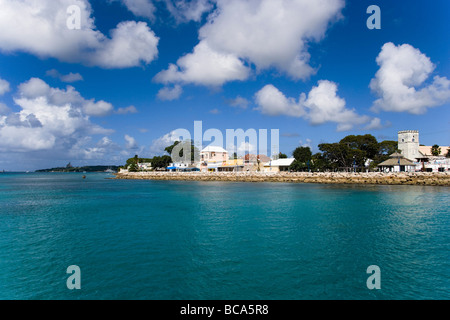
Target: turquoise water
x,y
195,240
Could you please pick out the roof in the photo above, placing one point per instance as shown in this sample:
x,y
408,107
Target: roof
x,y
426,150
392,162
396,155
280,162
214,149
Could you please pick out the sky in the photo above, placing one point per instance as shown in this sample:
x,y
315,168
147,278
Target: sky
x,y
95,82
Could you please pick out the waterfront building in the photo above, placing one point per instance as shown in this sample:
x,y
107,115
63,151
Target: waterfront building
x,y
279,165
421,156
212,157
397,163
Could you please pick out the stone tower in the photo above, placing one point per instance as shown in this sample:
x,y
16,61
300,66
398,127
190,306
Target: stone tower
x,y
408,144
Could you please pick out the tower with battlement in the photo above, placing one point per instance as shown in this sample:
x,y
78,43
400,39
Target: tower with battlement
x,y
408,144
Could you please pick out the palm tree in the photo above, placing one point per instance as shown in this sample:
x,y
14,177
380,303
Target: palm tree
x,y
435,150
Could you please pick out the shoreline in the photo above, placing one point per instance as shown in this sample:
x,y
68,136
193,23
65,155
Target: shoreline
x,y
372,178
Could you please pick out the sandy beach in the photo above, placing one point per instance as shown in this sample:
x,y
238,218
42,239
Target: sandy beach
x,y
417,178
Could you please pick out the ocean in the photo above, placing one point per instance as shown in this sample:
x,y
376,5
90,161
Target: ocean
x,y
220,240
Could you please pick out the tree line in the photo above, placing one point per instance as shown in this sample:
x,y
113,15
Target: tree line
x,y
353,151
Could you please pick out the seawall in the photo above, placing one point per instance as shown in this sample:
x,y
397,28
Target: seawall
x,y
417,178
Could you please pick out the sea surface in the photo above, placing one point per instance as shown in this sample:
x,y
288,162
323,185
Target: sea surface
x,y
220,240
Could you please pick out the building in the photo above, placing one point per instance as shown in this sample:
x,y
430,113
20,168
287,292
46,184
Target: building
x,y
397,163
408,144
212,157
145,166
279,165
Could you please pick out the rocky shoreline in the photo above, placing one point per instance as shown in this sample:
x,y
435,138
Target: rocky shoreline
x,y
417,178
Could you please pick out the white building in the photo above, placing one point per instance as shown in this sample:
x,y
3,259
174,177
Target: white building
x,y
408,144
278,165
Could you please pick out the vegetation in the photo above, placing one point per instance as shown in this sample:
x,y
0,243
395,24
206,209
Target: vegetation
x,y
352,152
81,169
181,146
435,150
302,162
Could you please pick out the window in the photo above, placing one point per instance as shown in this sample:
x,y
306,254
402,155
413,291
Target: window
x,y
403,140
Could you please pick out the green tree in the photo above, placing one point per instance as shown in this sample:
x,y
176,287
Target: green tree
x,y
362,147
161,162
185,145
448,153
385,149
282,156
335,154
302,160
435,150
133,168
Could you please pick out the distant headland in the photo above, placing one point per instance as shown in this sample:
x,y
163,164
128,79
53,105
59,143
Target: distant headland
x,y
100,168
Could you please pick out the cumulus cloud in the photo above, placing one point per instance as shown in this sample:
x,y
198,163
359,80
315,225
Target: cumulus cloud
x,y
36,88
4,86
321,105
158,145
49,119
181,10
205,66
273,102
40,28
184,11
4,109
266,34
239,102
69,78
127,110
131,143
401,83
169,94
141,8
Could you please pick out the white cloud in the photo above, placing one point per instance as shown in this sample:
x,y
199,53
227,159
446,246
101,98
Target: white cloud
x,y
40,28
401,79
49,119
141,8
204,67
127,110
98,109
184,11
169,94
324,105
131,44
374,124
4,86
131,143
320,106
37,88
239,102
4,109
273,102
266,34
158,145
69,78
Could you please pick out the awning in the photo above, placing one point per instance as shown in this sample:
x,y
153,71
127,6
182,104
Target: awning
x,y
171,168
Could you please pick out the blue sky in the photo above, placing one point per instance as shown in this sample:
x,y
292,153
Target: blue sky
x,y
137,70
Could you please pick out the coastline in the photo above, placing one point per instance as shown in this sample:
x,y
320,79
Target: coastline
x,y
373,178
